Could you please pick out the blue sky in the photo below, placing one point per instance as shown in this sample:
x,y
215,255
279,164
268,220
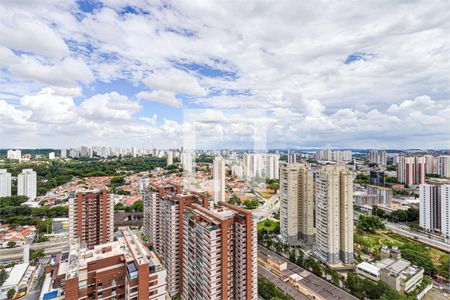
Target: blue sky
x,y
313,75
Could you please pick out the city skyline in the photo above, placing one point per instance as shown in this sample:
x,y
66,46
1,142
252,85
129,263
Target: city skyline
x,y
326,76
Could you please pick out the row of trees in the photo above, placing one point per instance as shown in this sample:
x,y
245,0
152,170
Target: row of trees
x,y
137,206
399,215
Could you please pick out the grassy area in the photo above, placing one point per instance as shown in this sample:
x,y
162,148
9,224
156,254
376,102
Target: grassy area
x,y
370,243
269,226
266,194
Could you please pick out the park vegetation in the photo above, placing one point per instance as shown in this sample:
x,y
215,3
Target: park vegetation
x,y
51,174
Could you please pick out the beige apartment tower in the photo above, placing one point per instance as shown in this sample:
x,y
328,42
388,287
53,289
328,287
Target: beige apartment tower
x,y
334,214
297,204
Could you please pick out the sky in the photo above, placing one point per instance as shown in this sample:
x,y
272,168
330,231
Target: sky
x,y
219,74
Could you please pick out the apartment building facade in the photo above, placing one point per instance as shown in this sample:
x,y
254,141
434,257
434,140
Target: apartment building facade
x,y
5,183
91,217
27,184
123,269
334,214
434,208
219,253
192,250
219,178
297,204
411,170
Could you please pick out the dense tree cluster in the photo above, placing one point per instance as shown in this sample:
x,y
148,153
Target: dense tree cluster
x,y
370,223
399,215
367,289
57,172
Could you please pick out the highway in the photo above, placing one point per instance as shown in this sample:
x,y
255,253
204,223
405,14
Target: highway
x,y
49,247
397,228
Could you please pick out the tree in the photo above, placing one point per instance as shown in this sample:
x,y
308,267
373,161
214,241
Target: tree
x,y
412,214
362,179
399,215
299,261
420,259
3,276
11,244
137,206
369,223
292,256
378,212
234,200
11,293
36,254
274,186
355,285
251,203
12,201
317,268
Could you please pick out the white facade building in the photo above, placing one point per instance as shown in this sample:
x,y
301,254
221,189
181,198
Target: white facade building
x,y
434,208
14,154
5,183
51,155
27,184
219,178
445,210
169,158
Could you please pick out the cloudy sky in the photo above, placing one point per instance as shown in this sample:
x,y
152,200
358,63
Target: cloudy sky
x,y
307,73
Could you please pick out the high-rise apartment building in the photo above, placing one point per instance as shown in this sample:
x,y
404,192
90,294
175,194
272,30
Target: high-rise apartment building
x,y
431,164
169,158
377,178
434,208
91,217
5,183
411,170
297,203
430,207
219,178
27,184
378,157
219,253
187,161
334,155
445,211
334,214
63,153
152,209
444,166
191,239
14,154
261,165
121,269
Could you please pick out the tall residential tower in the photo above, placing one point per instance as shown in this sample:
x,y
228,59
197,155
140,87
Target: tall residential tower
x,y
334,214
297,203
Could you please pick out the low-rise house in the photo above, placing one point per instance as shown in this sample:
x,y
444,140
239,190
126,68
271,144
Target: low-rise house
x,y
19,235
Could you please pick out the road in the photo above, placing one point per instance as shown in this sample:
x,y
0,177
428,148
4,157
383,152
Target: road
x,y
311,281
49,247
397,228
268,208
